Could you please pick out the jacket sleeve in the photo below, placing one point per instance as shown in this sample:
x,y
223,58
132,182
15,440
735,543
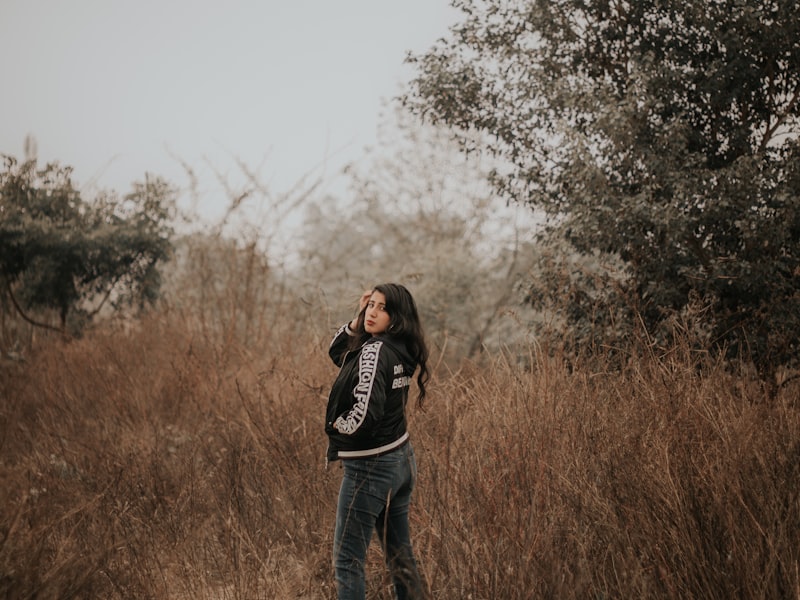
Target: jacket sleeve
x,y
338,347
369,395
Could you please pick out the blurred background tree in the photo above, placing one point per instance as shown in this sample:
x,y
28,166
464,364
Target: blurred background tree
x,y
661,139
64,255
422,214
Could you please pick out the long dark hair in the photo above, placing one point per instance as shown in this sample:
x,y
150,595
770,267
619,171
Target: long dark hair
x,y
404,324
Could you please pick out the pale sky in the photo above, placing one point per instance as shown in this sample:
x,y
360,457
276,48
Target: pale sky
x,y
117,88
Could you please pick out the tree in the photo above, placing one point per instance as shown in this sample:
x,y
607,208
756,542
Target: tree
x,y
661,134
61,253
423,215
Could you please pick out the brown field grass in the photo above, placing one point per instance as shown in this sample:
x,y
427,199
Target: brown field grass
x,y
162,462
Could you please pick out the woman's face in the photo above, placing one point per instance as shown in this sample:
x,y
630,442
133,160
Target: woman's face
x,y
376,319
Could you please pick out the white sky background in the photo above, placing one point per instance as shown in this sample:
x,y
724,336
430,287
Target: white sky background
x,y
117,88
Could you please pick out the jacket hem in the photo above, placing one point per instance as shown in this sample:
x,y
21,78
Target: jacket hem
x,y
345,454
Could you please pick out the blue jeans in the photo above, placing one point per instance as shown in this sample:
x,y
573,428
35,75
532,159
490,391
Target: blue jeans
x,y
375,495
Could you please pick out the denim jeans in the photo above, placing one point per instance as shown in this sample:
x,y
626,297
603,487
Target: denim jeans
x,y
375,495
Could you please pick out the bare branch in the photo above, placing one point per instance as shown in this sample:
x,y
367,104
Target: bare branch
x,y
22,314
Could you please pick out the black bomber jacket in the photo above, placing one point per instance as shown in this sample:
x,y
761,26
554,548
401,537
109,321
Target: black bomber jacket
x,y
366,406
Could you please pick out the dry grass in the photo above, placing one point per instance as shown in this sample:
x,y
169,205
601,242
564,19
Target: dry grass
x,y
160,463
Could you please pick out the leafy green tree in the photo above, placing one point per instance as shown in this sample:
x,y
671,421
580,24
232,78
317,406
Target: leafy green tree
x,y
661,134
59,252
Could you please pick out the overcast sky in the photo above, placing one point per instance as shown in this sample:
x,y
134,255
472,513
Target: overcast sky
x,y
117,88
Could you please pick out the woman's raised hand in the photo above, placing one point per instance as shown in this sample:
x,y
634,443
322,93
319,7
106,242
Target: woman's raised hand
x,y
362,302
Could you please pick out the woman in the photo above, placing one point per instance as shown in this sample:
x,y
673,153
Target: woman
x,y
378,352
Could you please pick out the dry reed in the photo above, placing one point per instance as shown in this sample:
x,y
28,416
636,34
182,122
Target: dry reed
x,y
163,461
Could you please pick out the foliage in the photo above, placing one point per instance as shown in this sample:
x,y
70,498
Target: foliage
x,y
59,252
423,215
663,134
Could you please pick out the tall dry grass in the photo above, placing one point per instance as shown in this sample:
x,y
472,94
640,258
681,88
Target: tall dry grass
x,y
168,461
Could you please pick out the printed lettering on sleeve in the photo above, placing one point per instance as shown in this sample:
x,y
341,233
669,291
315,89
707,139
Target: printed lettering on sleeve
x,y
367,366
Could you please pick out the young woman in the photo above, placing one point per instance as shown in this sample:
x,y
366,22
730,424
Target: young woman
x,y
378,353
